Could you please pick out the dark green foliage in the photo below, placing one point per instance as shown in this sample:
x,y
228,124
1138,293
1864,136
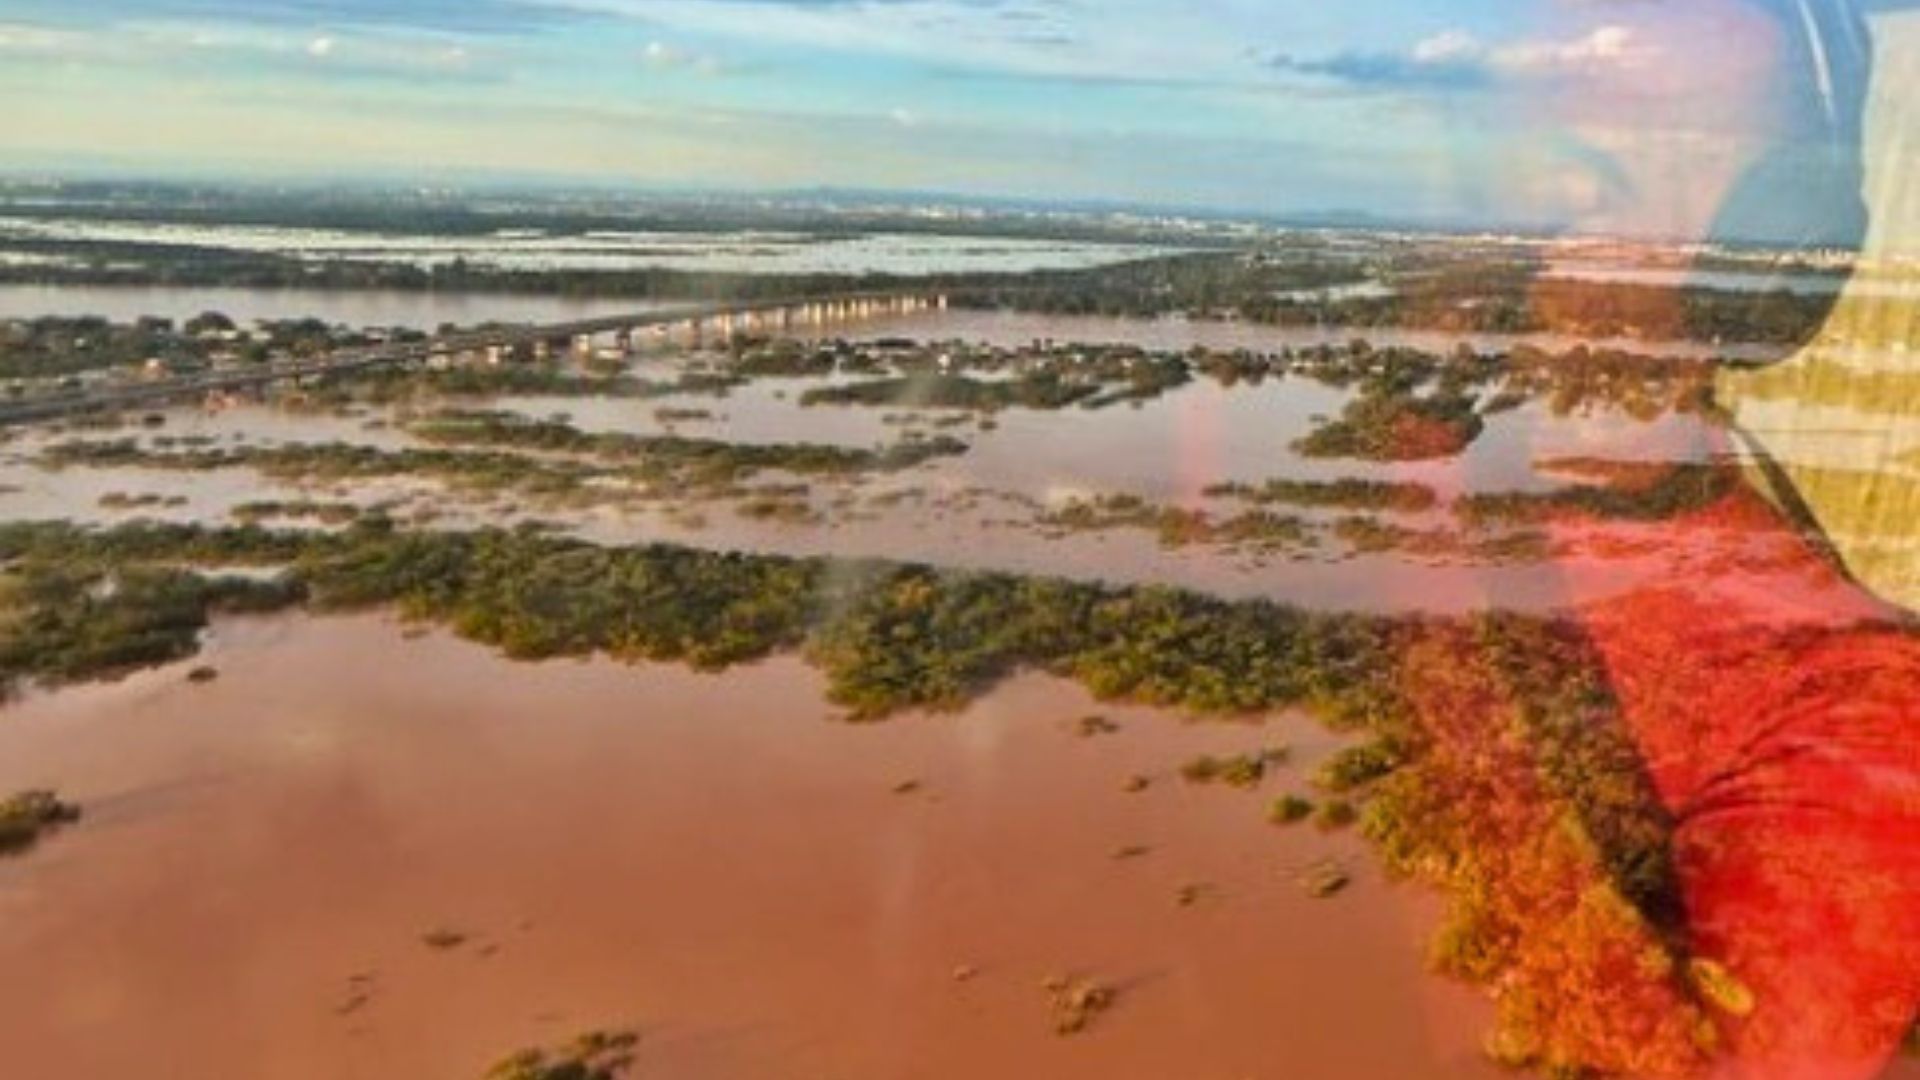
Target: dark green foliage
x,y
326,513
1674,490
911,637
1176,527
1345,494
888,636
1240,770
1041,390
67,622
1300,288
597,1055
1397,427
1355,767
486,452
27,815
1289,810
1335,814
664,456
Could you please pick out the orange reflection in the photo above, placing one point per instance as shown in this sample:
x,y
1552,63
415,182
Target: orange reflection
x,y
1706,861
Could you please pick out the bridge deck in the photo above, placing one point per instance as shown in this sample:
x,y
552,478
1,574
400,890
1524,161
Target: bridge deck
x,y
156,391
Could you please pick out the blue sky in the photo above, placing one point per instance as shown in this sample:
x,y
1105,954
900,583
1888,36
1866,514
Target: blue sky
x,y
1601,113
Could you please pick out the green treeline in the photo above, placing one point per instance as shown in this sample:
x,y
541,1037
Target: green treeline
x,y
1476,297
489,451
1672,489
674,454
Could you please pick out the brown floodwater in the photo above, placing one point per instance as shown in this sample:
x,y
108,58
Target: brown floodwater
x,y
713,860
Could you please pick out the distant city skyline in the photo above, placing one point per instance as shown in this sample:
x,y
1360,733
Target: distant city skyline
x,y
1595,115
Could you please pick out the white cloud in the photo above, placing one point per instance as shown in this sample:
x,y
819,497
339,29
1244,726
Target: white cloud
x,y
320,47
1605,47
1602,48
1451,46
19,37
660,55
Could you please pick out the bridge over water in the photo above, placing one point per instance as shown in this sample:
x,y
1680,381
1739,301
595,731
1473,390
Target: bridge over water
x,y
481,345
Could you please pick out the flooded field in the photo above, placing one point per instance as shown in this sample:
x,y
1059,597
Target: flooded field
x,y
983,509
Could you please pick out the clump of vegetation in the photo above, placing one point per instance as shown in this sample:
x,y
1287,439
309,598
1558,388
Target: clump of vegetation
x,y
1178,528
326,513
1263,532
1335,814
1042,390
1289,810
120,500
1375,495
671,415
1077,1002
443,938
1240,770
708,460
1043,377
1396,427
596,1055
1355,767
496,452
1192,893
522,378
1634,492
28,815
1089,726
785,511
66,619
1325,878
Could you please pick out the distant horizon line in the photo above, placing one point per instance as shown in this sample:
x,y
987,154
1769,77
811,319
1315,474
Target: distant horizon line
x,y
878,199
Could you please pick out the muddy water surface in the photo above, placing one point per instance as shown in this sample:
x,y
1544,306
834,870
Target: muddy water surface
x,y
713,860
